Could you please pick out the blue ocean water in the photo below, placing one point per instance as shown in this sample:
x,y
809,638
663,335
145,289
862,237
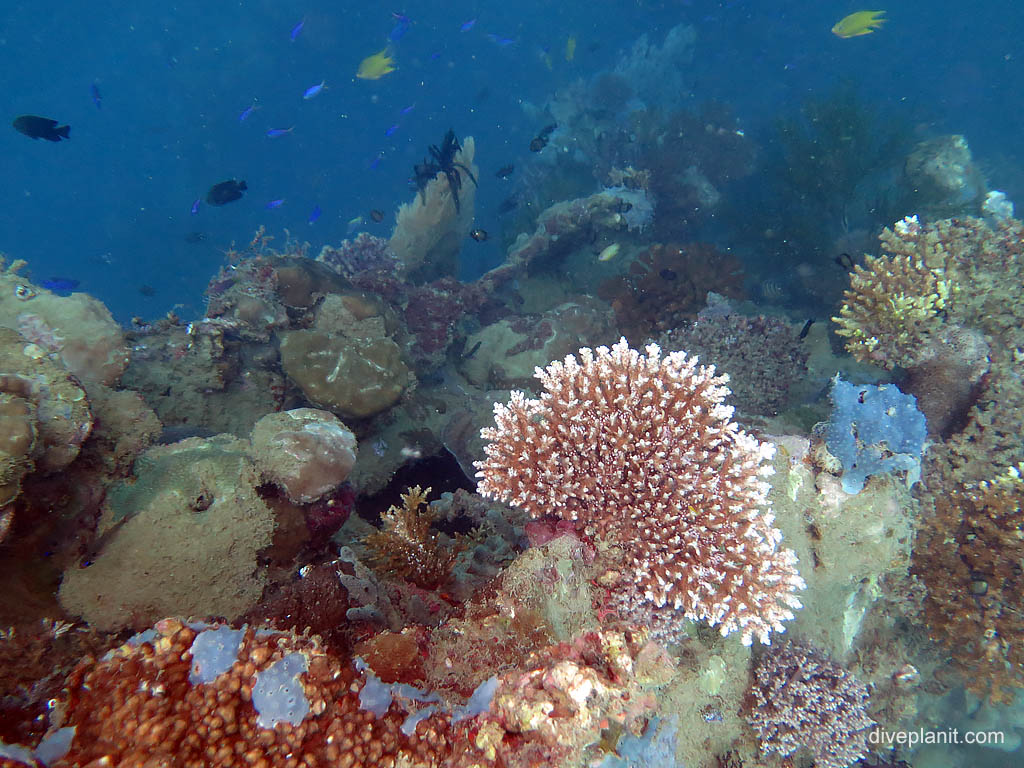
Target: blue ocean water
x,y
111,206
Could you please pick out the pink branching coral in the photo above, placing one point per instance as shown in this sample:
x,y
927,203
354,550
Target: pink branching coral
x,y
641,451
799,698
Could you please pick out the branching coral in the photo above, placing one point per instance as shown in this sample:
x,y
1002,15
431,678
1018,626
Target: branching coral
x,y
801,699
406,546
951,274
642,452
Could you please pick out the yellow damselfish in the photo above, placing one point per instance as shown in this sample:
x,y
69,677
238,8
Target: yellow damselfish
x,y
609,253
859,23
376,66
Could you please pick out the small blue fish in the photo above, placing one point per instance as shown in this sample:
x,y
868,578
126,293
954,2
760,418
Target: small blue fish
x,y
275,204
245,113
391,130
402,23
315,214
467,25
499,40
296,30
62,286
276,133
314,90
195,206
96,98
408,109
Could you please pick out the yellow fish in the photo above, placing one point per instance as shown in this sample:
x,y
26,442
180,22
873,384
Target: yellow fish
x,y
859,23
609,253
570,48
376,66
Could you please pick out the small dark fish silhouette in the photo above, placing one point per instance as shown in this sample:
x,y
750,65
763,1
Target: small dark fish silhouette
x,y
507,205
541,139
377,215
41,128
97,99
667,274
845,261
806,328
147,290
195,237
505,171
479,235
226,192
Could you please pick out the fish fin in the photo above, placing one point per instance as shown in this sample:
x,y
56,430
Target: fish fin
x,y
65,131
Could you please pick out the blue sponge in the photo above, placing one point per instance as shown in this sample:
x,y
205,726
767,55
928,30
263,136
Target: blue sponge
x,y
874,430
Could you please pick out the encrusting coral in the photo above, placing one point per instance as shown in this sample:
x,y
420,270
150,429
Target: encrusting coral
x,y
406,546
640,450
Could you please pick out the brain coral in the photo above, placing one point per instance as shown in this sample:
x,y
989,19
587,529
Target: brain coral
x,y
641,451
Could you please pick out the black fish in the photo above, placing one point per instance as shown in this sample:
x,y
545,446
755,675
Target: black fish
x,y
806,328
479,235
845,261
226,192
507,205
667,274
377,215
505,171
538,143
195,237
41,128
147,290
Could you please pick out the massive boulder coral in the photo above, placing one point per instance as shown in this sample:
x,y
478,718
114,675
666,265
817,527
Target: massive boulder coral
x,y
44,413
305,452
77,329
181,537
640,450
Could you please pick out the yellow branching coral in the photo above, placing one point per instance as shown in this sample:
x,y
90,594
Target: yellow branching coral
x,y
642,452
407,547
956,272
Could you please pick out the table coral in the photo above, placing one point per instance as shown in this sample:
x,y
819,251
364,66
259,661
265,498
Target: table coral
x,y
641,452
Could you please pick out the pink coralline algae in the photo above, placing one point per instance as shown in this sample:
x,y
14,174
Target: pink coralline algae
x,y
640,451
802,699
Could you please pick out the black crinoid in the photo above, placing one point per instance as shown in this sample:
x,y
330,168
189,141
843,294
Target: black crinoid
x,y
442,161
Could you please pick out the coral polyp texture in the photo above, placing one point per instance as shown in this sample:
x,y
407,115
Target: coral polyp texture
x,y
799,698
641,451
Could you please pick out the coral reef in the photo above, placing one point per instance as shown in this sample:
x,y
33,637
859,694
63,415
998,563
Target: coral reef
x,y
944,177
969,558
667,285
181,535
764,356
799,698
641,452
353,377
406,547
305,452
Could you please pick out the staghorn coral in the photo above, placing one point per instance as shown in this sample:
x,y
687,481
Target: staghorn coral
x,y
406,546
969,558
802,699
642,452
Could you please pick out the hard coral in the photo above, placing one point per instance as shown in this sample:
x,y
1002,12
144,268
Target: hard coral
x,y
802,699
641,451
969,560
